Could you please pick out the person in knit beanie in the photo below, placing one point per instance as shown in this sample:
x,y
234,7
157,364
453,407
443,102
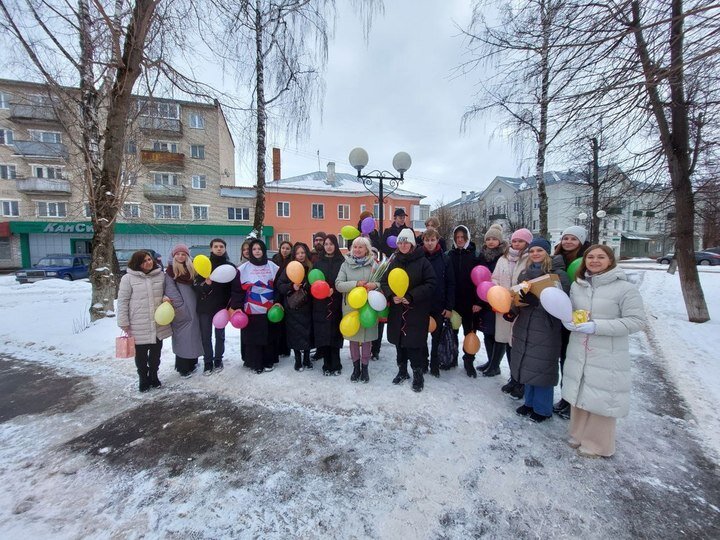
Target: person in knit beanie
x,y
522,234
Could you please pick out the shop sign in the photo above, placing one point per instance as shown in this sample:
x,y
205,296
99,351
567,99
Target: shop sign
x,y
77,228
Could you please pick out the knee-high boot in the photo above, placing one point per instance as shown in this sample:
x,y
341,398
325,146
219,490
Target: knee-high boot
x,y
493,368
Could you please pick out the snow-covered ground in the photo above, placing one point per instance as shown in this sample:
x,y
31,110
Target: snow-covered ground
x,y
289,454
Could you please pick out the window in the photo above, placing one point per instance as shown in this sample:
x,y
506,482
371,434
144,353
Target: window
x,y
128,179
200,212
578,201
10,208
4,100
199,181
197,151
635,225
165,146
615,224
160,110
167,211
165,179
51,209
376,210
131,147
283,209
341,241
6,136
87,210
41,171
5,251
318,211
624,224
197,121
131,210
45,136
343,211
362,208
282,237
648,224
239,214
7,172
534,224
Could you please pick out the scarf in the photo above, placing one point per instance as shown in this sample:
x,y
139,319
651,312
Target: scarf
x,y
184,279
361,261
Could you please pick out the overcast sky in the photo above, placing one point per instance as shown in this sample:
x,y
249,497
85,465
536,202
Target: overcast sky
x,y
397,92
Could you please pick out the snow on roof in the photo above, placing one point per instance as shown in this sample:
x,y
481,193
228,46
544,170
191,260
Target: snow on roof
x,y
344,183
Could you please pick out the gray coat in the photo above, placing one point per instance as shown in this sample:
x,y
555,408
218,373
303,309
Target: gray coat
x,y
348,276
537,336
596,377
139,295
186,339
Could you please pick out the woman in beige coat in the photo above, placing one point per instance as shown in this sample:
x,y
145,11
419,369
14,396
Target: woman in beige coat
x,y
596,379
140,293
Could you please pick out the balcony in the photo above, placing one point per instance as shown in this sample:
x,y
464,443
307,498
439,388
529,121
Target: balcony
x,y
164,126
37,149
30,112
493,217
160,192
33,185
163,160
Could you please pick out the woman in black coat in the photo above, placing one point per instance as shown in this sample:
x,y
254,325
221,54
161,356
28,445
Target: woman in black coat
x,y
328,312
410,314
281,258
298,319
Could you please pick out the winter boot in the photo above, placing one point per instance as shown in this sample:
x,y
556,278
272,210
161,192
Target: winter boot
x,y
493,366
298,362
469,368
306,360
402,374
518,392
508,386
356,371
418,382
365,376
154,381
434,368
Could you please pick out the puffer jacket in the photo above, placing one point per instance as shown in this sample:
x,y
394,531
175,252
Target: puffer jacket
x,y
536,336
139,295
348,276
186,338
596,377
506,276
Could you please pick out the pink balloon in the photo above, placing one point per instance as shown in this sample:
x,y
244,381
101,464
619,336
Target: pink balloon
x,y
221,319
392,241
483,289
479,274
367,225
239,319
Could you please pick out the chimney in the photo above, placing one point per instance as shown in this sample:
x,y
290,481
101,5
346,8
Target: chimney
x,y
331,173
276,164
463,195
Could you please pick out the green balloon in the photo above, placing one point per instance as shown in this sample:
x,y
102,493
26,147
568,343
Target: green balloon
x,y
276,313
455,320
315,275
573,268
368,316
384,313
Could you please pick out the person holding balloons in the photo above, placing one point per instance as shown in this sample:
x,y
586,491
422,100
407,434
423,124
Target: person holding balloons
x,y
212,297
327,306
293,285
253,292
572,247
139,295
281,259
410,284
186,339
536,336
506,273
354,273
596,381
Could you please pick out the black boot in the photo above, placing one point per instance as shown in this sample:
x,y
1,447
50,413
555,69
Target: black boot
x,y
469,368
298,362
483,367
402,374
418,381
365,376
306,360
356,371
493,366
434,368
154,381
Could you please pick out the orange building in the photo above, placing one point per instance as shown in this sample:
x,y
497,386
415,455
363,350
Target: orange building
x,y
300,206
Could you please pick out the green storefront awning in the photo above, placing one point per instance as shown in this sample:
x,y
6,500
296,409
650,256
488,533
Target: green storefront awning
x,y
85,227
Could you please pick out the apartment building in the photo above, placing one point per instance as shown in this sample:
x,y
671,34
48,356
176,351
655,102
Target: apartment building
x,y
178,177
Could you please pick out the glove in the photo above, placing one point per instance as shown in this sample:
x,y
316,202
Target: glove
x,y
469,368
509,316
530,299
570,326
586,327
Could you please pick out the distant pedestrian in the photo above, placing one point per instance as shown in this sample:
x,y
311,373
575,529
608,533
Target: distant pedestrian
x,y
394,229
318,246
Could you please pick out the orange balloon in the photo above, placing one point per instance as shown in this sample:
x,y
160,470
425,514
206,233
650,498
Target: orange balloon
x,y
432,326
295,271
471,344
499,298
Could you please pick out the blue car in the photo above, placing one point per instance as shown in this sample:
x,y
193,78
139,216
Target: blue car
x,y
68,267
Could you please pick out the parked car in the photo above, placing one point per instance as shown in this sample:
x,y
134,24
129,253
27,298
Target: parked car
x,y
203,249
60,266
123,256
713,250
704,258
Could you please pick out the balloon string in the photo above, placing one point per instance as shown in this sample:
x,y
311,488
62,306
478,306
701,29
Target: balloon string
x,y
404,320
329,309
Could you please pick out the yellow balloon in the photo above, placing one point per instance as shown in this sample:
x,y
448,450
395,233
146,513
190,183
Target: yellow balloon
x,y
348,232
398,281
202,265
350,324
164,314
499,298
295,271
357,297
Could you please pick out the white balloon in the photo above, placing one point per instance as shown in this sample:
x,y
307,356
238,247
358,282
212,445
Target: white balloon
x,y
224,273
377,300
557,303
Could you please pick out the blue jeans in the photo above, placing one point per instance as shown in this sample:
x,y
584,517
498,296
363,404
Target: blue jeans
x,y
540,398
206,328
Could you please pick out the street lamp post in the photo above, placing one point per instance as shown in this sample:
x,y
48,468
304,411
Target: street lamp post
x,y
401,162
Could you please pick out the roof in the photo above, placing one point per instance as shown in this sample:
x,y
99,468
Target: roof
x,y
238,192
344,183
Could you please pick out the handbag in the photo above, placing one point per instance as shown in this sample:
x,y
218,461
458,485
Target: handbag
x,y
125,346
448,347
297,299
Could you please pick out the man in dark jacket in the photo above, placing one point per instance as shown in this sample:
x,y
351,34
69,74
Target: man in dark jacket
x,y
212,297
318,251
393,230
443,301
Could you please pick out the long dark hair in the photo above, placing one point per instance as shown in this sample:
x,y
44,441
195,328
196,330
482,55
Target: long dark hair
x,y
138,258
334,241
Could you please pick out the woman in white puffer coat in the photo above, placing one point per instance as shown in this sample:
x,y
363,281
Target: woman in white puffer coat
x,y
596,379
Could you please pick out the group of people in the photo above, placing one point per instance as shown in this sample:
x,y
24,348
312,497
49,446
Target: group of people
x,y
593,356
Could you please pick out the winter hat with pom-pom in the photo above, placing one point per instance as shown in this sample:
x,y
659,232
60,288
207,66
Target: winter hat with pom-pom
x,y
180,248
522,234
495,231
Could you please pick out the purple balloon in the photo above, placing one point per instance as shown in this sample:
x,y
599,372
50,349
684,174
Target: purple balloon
x,y
392,241
221,319
367,225
479,274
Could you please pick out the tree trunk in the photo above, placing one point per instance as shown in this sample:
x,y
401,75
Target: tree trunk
x,y
542,133
261,123
595,232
